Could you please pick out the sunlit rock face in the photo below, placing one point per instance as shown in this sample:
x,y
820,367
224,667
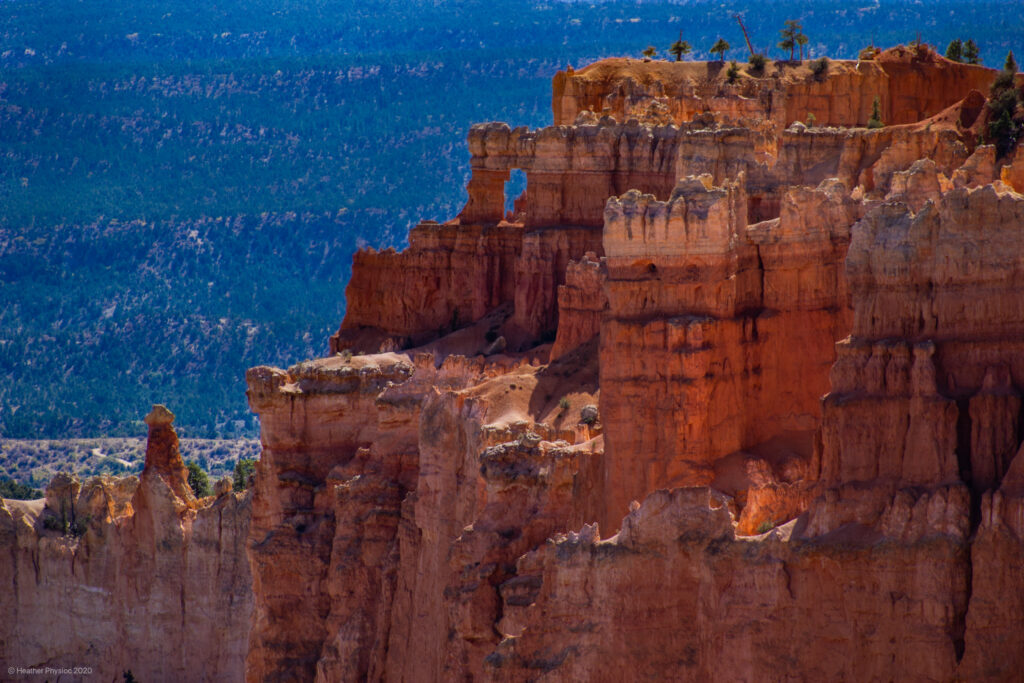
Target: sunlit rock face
x,y
702,406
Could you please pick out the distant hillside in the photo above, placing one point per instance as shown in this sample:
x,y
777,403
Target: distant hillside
x,y
36,461
182,189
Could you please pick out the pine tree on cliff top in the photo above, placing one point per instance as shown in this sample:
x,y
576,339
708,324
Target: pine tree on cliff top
x,y
649,52
720,48
955,50
680,48
971,53
801,40
792,36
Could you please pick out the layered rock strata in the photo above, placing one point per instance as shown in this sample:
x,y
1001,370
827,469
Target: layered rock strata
x,y
783,369
722,398
910,83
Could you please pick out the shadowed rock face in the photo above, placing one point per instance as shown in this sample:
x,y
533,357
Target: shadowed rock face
x,y
723,399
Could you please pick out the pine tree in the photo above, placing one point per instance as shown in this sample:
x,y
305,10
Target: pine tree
x,y
720,48
680,48
955,50
244,469
1004,128
970,52
1010,65
198,480
649,52
792,36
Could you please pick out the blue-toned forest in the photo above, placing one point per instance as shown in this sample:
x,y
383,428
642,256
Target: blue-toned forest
x,y
182,185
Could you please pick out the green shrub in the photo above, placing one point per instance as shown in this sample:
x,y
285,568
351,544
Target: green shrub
x,y
13,490
757,63
68,527
732,74
876,114
819,66
868,53
55,523
563,403
765,526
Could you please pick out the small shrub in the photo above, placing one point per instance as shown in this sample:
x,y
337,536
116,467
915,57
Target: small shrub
x,y
868,53
563,404
55,523
733,72
811,119
73,527
765,526
78,527
757,63
819,67
876,114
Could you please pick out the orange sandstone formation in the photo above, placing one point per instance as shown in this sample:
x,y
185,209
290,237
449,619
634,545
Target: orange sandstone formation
x,y
784,371
726,397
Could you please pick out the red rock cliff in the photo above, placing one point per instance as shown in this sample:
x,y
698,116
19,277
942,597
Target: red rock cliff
x,y
725,398
783,380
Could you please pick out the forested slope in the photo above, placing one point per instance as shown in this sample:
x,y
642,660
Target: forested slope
x,y
182,189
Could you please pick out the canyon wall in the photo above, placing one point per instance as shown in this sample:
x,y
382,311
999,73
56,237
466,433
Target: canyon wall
x,y
774,437
911,84
724,397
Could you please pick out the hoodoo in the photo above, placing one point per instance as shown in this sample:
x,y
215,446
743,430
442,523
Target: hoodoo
x,y
800,347
727,396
